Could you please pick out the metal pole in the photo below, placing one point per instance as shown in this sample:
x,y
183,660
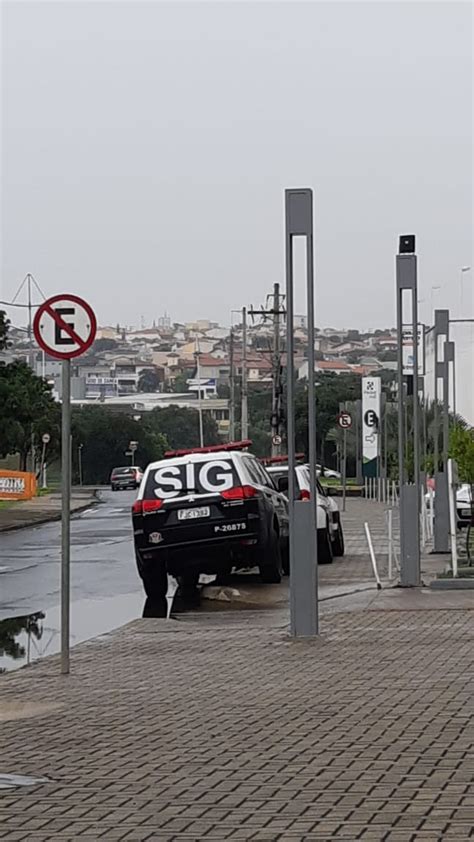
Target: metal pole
x,y
244,411
311,378
65,514
344,475
409,492
401,418
201,428
232,387
276,390
303,545
416,397
80,464
358,413
390,542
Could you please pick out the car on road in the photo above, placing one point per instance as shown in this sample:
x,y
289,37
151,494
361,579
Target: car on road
x,y
128,477
207,510
330,536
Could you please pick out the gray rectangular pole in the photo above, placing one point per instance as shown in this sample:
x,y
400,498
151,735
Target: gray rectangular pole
x,y
441,541
406,272
358,428
303,545
65,513
232,387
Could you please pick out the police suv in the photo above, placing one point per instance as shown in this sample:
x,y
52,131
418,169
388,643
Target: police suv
x,y
207,510
330,536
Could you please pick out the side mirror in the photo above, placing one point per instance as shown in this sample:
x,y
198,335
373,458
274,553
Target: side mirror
x,y
283,484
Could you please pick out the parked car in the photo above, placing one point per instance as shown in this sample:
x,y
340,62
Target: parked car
x,y
329,528
329,473
207,510
464,503
128,477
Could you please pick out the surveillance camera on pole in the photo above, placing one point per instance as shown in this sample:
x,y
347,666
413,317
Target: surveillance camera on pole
x,y
406,281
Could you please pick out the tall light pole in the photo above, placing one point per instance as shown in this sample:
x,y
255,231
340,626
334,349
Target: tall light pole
x,y
197,355
244,388
433,290
79,454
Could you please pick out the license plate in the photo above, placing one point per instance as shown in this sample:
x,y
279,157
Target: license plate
x,y
193,514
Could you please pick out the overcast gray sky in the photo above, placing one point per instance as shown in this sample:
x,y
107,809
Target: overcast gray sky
x,y
146,147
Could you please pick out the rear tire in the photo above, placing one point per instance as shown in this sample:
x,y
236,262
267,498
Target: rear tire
x,y
338,545
271,567
324,547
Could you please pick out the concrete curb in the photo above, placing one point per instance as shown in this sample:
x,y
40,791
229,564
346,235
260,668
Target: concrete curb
x,y
452,584
54,516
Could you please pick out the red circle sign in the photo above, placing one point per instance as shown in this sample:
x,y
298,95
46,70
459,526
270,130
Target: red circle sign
x,y
344,419
65,326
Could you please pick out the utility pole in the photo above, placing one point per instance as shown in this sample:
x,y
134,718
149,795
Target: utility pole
x,y
198,366
276,380
275,312
244,425
232,387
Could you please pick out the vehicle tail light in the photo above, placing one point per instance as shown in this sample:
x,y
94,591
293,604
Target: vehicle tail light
x,y
304,494
240,492
146,507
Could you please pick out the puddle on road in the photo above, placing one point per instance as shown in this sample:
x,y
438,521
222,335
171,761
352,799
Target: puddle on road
x,y
28,638
12,781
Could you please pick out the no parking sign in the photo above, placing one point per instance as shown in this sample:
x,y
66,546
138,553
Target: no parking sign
x,y
65,327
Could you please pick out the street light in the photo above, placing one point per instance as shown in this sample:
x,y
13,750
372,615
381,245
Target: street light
x,y
433,290
462,272
79,453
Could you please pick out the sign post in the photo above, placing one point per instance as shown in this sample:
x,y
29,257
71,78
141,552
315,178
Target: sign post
x,y
132,447
65,327
344,419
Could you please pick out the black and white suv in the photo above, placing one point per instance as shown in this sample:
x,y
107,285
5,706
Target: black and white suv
x,y
208,510
328,520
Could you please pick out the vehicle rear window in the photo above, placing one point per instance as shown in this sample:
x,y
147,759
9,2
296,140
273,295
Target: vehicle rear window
x,y
209,476
123,472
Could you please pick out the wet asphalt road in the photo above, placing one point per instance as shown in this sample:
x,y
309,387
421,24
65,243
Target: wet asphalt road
x,y
105,588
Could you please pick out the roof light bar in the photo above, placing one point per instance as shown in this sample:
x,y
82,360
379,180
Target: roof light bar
x,y
214,448
274,460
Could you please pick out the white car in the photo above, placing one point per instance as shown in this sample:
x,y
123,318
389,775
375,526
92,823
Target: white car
x,y
329,527
464,504
464,501
330,473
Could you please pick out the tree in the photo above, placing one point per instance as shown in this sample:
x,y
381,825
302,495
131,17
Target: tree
x,y
180,427
461,448
149,380
4,328
28,411
180,383
105,436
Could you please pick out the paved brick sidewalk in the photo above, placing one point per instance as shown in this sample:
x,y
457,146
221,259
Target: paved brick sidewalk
x,y
222,728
